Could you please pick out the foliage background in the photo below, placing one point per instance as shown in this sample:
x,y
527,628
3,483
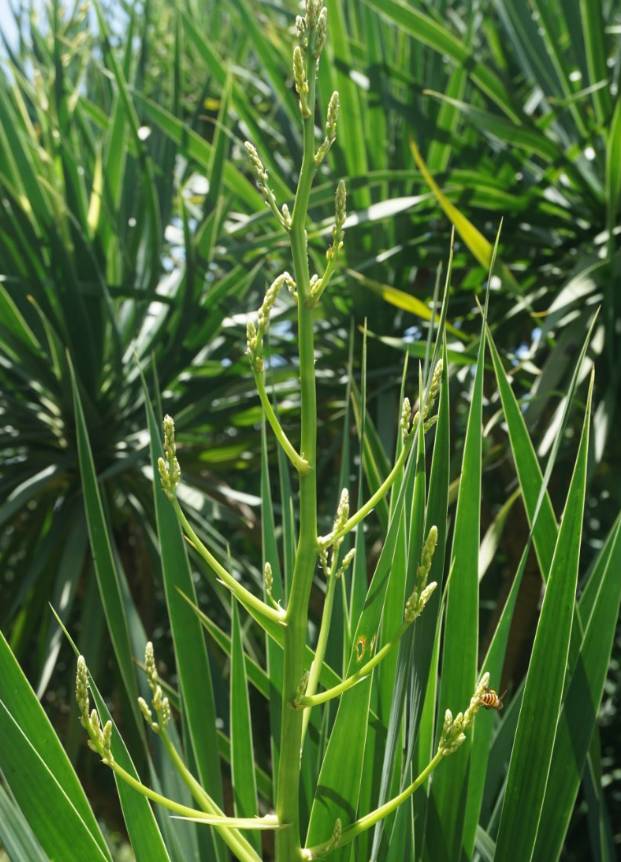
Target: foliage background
x,y
129,228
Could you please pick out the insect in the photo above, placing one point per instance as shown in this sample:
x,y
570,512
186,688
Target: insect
x,y
490,700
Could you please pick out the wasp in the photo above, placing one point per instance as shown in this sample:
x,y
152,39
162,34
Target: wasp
x,y
490,700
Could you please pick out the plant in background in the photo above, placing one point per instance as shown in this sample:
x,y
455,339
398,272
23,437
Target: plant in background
x,y
414,761
107,253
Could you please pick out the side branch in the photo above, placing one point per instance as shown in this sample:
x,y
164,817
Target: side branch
x,y
452,737
239,591
355,678
341,837
371,503
300,464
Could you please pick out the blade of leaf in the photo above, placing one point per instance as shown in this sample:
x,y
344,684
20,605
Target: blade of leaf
x,y
110,587
584,691
460,653
193,669
242,750
534,740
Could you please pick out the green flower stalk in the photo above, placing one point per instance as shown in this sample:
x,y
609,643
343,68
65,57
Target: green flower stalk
x,y
300,682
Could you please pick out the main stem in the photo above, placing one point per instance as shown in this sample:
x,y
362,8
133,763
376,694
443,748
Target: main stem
x,y
288,845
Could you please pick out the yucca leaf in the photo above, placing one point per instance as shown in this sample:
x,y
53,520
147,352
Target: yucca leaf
x,y
613,165
16,836
240,103
585,684
195,684
460,652
200,150
39,773
591,15
242,749
533,746
483,731
108,578
480,247
274,651
424,29
351,127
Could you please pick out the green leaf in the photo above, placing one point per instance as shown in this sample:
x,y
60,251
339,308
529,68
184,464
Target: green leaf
x,y
461,624
16,836
195,684
262,34
534,740
351,128
592,18
200,150
241,104
39,773
242,750
274,651
613,166
485,720
428,31
401,299
584,689
480,247
108,578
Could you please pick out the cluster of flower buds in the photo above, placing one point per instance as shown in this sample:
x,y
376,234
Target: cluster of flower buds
x,y
454,728
168,466
328,554
331,122
318,284
99,738
160,702
312,28
340,214
260,172
268,583
256,332
408,423
301,81
422,590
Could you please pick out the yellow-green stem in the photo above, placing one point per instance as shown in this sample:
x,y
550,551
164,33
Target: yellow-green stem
x,y
234,840
181,810
245,596
320,649
372,502
369,820
311,699
300,464
288,845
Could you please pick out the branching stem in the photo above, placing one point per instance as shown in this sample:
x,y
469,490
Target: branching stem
x,y
239,591
311,699
320,650
373,500
300,464
369,820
